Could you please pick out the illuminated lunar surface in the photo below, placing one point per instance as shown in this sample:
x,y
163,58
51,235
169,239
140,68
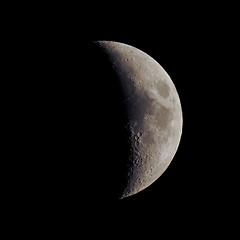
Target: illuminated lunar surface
x,y
152,111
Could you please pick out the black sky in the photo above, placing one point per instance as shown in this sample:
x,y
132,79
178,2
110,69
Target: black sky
x,y
189,44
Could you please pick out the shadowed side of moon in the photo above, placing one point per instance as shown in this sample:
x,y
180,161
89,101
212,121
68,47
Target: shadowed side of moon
x,y
112,121
108,138
82,147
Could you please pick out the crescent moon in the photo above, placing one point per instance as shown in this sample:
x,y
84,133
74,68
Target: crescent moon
x,y
153,111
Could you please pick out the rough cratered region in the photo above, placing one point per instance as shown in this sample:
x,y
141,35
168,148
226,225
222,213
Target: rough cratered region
x,y
152,113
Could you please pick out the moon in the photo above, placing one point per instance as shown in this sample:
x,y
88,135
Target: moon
x,y
151,111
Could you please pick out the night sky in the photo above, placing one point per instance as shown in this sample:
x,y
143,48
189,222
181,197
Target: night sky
x,y
57,126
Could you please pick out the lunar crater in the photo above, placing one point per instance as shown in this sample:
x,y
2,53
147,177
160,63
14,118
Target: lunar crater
x,y
162,88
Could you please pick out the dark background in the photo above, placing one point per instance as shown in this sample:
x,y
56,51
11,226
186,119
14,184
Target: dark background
x,y
194,193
